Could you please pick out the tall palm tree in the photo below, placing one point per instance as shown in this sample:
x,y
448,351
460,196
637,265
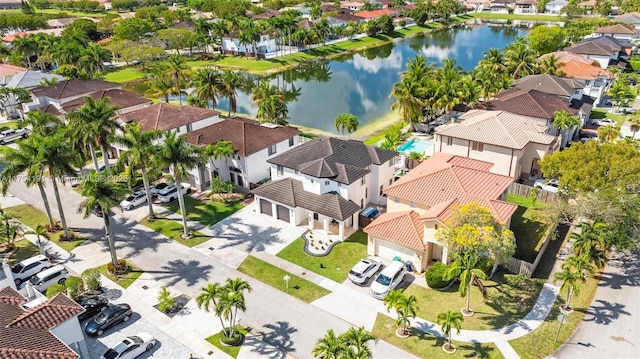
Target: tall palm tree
x,y
346,122
571,279
93,125
406,308
208,298
40,232
41,123
563,121
608,133
141,151
219,150
92,59
447,94
520,59
634,123
465,270
271,102
236,288
180,157
408,95
330,346
208,82
550,65
177,68
357,341
229,85
218,30
26,47
101,191
161,86
591,242
493,61
448,320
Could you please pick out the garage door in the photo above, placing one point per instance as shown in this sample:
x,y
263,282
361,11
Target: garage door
x,y
283,213
389,250
265,207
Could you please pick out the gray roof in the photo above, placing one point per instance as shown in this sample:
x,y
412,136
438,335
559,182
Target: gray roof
x,y
632,17
550,84
344,161
602,46
558,2
28,79
290,192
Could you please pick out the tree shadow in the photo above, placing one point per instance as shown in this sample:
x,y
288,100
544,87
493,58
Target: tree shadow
x,y
604,313
272,342
623,270
179,270
477,350
249,236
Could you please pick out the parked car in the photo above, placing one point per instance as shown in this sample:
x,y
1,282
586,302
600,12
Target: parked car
x,y
550,185
365,270
134,200
43,280
11,135
130,347
112,315
29,267
388,279
157,188
170,193
92,304
604,122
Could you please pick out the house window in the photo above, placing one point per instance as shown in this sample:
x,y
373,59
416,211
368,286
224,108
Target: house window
x,y
238,157
311,181
295,171
291,142
280,170
396,199
390,181
381,189
178,130
435,227
362,180
362,203
366,193
339,185
413,204
391,161
326,183
477,146
449,141
189,127
240,182
272,149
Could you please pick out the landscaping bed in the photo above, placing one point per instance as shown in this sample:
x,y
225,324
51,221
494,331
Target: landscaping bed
x,y
207,213
174,230
24,249
229,350
123,280
181,302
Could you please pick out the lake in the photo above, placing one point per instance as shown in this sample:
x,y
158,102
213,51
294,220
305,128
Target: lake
x,y
360,83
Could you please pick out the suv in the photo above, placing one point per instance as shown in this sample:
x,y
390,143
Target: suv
x,y
43,280
171,193
29,267
7,136
134,200
551,185
388,279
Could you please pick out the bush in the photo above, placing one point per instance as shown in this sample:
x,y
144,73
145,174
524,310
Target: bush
x,y
120,267
486,265
231,341
165,301
55,289
92,279
75,286
435,275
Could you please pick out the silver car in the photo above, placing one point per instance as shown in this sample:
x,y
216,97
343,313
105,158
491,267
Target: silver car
x,y
388,279
134,200
365,270
130,347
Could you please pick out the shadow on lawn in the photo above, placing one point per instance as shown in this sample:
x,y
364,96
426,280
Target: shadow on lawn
x,y
277,338
179,270
477,350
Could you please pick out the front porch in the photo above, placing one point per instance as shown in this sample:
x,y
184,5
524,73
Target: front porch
x,y
325,230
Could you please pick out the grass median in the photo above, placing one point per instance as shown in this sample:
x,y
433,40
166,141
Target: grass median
x,y
207,213
174,230
123,280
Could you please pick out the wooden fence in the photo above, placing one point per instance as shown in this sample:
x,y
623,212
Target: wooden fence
x,y
522,267
524,190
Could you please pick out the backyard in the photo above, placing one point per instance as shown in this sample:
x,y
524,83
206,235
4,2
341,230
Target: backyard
x,y
206,212
528,227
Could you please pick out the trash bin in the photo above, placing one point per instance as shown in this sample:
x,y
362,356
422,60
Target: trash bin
x,y
409,266
397,259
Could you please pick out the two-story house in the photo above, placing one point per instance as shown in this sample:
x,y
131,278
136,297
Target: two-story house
x,y
65,91
327,180
626,32
607,50
254,144
351,5
512,143
526,7
629,18
123,101
555,6
264,47
13,78
420,203
596,80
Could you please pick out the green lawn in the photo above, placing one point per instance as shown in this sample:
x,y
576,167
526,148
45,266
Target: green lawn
x,y
24,249
273,276
10,125
124,74
174,230
540,343
124,280
336,264
229,350
484,15
528,228
428,346
32,217
206,212
509,298
618,117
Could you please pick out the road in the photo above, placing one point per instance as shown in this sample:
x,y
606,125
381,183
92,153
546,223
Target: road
x,y
610,328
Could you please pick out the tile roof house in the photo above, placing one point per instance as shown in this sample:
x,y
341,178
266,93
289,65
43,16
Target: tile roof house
x,y
372,15
608,51
619,31
347,174
265,47
48,330
10,70
65,91
254,143
596,79
26,79
526,7
555,6
124,101
512,143
420,202
629,18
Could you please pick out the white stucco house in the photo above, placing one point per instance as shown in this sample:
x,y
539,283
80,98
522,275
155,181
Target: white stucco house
x,y
555,6
606,50
619,31
264,47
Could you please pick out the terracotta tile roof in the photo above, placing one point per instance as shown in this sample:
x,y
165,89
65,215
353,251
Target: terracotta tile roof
x,y
9,70
375,13
72,88
118,98
348,4
564,56
498,128
269,14
500,210
618,29
247,136
404,228
162,116
550,84
25,333
531,103
588,3
580,70
291,193
344,161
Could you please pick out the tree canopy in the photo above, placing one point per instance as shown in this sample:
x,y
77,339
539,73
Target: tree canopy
x,y
545,39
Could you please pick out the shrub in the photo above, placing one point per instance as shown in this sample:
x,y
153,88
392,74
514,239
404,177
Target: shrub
x,y
92,279
435,275
120,267
486,265
231,341
165,301
75,286
55,289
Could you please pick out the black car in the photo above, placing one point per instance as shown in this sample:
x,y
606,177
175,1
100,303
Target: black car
x,y
112,315
92,304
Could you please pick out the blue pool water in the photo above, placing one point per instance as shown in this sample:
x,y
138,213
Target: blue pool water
x,y
415,145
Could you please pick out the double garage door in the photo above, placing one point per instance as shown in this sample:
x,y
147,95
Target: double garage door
x,y
389,250
282,212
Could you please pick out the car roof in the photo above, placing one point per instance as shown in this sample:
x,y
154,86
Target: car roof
x,y
8,131
363,264
51,270
33,259
392,268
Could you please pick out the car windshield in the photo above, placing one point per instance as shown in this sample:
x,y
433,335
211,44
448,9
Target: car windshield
x,y
17,268
101,318
383,279
110,354
355,274
136,339
130,198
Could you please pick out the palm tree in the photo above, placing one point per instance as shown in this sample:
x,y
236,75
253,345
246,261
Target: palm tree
x,y
229,85
520,60
581,264
140,154
161,86
564,121
448,320
218,151
218,30
356,342
178,69
330,346
634,123
40,232
208,299
93,124
25,46
493,61
271,102
180,157
464,268
92,59
208,82
10,230
571,279
101,191
41,123
608,133
346,122
235,299
406,307
550,65
591,242
407,93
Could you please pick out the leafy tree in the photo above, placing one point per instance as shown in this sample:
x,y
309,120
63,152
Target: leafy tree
x,y
125,5
132,29
385,24
166,301
92,278
86,26
176,38
450,320
608,133
75,286
464,268
545,39
346,122
55,289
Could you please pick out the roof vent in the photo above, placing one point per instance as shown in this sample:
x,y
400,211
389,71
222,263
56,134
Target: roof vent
x,y
269,125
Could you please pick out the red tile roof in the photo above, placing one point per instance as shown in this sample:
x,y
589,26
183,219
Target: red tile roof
x,y
579,70
375,13
162,116
8,70
404,228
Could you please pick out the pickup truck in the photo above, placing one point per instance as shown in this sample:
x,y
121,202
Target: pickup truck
x,y
7,136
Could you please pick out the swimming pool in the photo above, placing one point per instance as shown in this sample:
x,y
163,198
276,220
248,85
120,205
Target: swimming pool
x,y
415,145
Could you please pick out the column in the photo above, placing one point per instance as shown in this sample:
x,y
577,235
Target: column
x,y
310,216
325,224
341,230
274,210
355,221
445,255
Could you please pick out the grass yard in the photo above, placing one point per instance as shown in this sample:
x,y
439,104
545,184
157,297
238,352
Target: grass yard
x,y
336,264
206,212
273,276
173,230
24,249
428,346
528,228
484,15
32,217
229,350
124,74
124,280
509,298
540,343
618,117
10,125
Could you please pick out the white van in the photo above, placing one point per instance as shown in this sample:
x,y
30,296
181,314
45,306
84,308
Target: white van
x,y
29,267
388,279
43,280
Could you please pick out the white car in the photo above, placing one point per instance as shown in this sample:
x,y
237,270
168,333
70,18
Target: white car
x,y
159,187
43,280
365,270
604,122
29,267
130,347
170,193
551,185
134,200
388,279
